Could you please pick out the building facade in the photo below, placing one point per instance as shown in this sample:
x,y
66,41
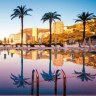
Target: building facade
x,y
58,27
30,35
16,38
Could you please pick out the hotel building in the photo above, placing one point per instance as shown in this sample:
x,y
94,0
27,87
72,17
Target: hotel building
x,y
30,35
58,27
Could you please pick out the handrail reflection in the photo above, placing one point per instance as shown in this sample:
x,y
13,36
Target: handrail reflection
x,y
37,82
64,81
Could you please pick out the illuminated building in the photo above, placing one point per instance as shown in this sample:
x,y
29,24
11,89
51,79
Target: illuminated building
x,y
30,35
58,27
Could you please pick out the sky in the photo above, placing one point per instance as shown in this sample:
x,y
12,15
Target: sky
x,y
68,9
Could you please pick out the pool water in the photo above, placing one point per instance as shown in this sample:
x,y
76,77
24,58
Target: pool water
x,y
16,72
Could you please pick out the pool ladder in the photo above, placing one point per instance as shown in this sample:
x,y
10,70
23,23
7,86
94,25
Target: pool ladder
x,y
64,81
37,82
56,80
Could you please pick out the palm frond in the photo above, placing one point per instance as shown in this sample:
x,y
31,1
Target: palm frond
x,y
51,16
19,80
49,76
57,18
14,16
20,12
84,17
78,20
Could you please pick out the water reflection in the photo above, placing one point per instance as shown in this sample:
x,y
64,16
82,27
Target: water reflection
x,y
50,76
30,60
72,54
4,55
84,76
55,52
39,54
92,60
11,54
58,58
20,80
8,52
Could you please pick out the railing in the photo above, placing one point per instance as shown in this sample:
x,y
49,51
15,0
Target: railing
x,y
64,81
37,82
56,80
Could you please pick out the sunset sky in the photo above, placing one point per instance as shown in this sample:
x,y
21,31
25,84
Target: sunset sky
x,y
68,9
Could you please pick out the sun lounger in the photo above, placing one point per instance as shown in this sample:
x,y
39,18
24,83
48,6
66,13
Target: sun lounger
x,y
58,47
53,47
37,46
43,47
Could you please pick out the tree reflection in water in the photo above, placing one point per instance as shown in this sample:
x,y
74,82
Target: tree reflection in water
x,y
83,75
11,54
8,52
19,80
50,76
4,55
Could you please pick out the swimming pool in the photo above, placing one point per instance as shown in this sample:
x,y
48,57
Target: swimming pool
x,y
16,71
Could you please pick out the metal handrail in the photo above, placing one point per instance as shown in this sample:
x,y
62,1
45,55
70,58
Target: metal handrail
x,y
64,81
37,82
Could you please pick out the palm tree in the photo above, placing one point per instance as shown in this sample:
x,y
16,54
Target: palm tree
x,y
51,16
83,75
20,12
50,76
84,17
19,80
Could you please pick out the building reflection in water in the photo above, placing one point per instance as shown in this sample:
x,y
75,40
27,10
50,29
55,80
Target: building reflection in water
x,y
8,52
83,75
20,80
92,60
39,54
49,76
58,57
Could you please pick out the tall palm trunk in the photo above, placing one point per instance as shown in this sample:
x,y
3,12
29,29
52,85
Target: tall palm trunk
x,y
22,63
21,31
84,27
50,71
50,23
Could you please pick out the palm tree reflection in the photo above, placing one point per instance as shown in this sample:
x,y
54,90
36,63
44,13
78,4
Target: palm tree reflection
x,y
50,76
19,80
8,52
11,54
83,75
4,55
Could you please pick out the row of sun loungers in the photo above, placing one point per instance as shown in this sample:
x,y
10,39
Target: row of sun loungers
x,y
24,47
43,47
29,47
